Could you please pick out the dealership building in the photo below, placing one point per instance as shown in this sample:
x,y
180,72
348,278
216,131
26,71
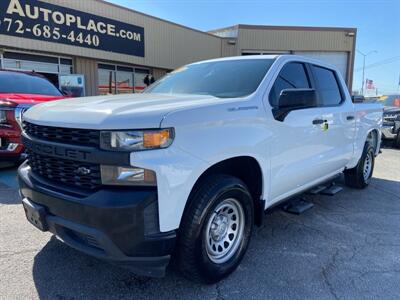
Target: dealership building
x,y
114,48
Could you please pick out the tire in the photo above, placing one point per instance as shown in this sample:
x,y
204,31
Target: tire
x,y
360,176
207,252
396,141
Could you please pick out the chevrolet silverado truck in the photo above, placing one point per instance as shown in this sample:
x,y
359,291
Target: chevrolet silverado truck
x,y
187,168
18,92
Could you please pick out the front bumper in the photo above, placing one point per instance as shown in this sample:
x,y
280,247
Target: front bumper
x,y
389,132
118,225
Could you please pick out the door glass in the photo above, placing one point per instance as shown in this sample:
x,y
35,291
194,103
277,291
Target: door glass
x,y
106,80
29,66
292,76
65,69
140,75
124,82
328,87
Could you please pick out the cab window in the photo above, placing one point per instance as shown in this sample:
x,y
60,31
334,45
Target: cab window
x,y
327,86
292,76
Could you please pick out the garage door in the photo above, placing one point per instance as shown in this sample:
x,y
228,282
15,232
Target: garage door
x,y
338,59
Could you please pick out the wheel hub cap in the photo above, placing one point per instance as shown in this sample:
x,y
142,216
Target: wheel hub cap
x,y
219,228
367,167
224,231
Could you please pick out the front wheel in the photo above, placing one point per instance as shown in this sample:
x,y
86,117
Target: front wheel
x,y
215,229
360,176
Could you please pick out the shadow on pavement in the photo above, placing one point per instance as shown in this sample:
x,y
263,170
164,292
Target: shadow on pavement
x,y
60,272
333,251
9,196
8,185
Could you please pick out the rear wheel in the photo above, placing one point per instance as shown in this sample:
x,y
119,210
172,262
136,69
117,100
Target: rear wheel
x,y
360,176
397,140
215,229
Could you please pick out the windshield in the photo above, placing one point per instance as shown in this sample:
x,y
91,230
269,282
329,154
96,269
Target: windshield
x,y
20,83
223,79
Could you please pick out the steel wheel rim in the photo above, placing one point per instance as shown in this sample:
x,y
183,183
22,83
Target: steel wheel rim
x,y
224,231
367,167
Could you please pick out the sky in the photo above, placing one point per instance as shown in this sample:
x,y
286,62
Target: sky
x,y
377,22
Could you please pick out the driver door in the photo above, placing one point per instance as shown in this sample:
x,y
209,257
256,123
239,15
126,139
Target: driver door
x,y
296,145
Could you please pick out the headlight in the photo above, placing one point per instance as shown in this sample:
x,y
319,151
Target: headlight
x,y
3,117
136,140
115,175
5,105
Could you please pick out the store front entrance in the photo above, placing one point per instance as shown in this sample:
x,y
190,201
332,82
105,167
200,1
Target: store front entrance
x,y
121,79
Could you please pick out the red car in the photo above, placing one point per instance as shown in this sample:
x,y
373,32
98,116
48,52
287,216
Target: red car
x,y
18,92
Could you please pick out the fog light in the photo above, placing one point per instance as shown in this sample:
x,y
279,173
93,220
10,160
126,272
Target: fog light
x,y
115,175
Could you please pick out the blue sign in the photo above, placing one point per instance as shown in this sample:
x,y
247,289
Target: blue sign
x,y
38,20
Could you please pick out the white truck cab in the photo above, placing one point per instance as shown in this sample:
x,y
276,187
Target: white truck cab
x,y
186,168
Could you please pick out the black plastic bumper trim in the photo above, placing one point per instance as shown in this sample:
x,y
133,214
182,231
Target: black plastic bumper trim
x,y
110,224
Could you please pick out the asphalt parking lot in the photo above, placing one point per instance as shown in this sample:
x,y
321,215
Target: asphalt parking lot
x,y
346,247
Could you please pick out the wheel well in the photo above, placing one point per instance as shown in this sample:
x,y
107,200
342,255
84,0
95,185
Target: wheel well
x,y
248,170
372,138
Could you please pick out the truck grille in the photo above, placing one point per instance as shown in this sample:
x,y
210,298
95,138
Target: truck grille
x,y
65,171
82,137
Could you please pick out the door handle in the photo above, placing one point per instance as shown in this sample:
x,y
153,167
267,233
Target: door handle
x,y
350,118
319,121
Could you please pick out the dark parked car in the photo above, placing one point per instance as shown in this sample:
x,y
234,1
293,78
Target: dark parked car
x,y
391,117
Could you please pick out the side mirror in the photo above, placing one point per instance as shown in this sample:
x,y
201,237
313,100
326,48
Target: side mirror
x,y
357,99
294,99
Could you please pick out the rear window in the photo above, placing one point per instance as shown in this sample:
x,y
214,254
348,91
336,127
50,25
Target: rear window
x,y
19,83
328,87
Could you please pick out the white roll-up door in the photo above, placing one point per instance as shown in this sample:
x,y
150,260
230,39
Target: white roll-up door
x,y
338,59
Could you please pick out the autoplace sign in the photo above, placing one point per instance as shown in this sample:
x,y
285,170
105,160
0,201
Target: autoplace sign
x,y
52,23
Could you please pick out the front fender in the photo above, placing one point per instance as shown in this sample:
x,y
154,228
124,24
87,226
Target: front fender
x,y
203,139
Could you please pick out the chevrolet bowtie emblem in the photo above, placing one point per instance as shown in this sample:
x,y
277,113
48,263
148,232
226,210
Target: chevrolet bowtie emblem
x,y
83,171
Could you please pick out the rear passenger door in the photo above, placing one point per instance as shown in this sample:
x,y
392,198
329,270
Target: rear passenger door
x,y
337,113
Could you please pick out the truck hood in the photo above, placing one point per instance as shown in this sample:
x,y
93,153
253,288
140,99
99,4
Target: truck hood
x,y
133,111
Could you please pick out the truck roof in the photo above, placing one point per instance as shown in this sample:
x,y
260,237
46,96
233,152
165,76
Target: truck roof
x,y
283,57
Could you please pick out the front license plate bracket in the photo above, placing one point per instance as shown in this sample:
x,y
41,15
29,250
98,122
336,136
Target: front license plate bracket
x,y
36,214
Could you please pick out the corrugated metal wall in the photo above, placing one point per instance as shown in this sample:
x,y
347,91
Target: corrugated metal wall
x,y
276,38
228,48
88,67
300,40
158,73
167,45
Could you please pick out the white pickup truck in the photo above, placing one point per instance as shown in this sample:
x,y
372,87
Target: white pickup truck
x,y
185,169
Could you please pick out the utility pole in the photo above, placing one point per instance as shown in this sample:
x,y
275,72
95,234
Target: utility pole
x,y
363,71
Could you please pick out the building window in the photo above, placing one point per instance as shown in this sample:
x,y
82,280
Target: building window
x,y
48,66
106,79
121,79
140,75
124,82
